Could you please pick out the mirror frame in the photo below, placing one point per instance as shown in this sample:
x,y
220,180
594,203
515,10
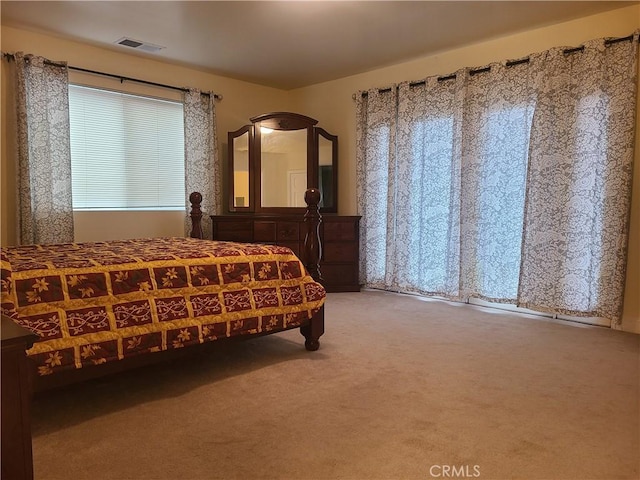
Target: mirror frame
x,y
280,121
321,132
231,136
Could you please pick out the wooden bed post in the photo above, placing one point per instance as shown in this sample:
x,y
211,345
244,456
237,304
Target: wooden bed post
x,y
196,215
312,248
311,258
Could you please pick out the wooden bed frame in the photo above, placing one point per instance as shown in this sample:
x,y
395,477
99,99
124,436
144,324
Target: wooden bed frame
x,y
19,375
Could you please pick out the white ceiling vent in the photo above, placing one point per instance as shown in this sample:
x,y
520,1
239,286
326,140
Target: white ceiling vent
x,y
138,45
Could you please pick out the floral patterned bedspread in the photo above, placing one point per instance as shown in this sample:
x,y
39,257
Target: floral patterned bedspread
x,y
96,302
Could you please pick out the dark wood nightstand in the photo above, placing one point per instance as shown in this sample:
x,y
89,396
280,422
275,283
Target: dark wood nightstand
x,y
17,462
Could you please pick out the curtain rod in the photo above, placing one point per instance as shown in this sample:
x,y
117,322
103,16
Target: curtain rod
x,y
119,77
510,63
145,82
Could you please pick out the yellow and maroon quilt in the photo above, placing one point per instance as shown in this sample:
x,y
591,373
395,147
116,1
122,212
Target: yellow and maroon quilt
x,y
95,302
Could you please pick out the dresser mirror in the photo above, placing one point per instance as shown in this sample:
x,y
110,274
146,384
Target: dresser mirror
x,y
274,160
283,165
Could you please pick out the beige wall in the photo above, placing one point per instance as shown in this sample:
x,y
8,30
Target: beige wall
x,y
331,103
119,225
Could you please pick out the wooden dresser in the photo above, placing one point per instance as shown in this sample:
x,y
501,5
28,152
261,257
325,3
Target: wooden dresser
x,y
339,234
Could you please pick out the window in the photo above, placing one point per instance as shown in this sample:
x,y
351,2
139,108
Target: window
x,y
377,206
127,151
500,199
433,174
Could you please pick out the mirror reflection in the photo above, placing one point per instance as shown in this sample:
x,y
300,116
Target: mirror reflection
x,y
283,173
241,170
325,171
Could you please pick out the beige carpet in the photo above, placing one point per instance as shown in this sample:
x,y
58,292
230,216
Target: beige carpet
x,y
401,388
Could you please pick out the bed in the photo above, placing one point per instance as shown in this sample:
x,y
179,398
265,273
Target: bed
x,y
96,305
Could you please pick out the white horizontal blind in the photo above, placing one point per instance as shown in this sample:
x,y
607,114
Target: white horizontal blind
x,y
127,151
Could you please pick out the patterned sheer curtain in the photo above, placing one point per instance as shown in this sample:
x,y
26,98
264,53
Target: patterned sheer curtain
x,y
45,210
376,188
449,169
579,181
202,172
499,105
427,211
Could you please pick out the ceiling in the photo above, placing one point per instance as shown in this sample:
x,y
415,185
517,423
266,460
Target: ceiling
x,y
291,44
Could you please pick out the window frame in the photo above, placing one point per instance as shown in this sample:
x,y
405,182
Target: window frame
x,y
145,96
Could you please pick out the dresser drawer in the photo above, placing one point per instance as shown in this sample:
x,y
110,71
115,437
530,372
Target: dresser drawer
x,y
339,274
340,231
339,252
236,231
288,231
227,226
264,231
